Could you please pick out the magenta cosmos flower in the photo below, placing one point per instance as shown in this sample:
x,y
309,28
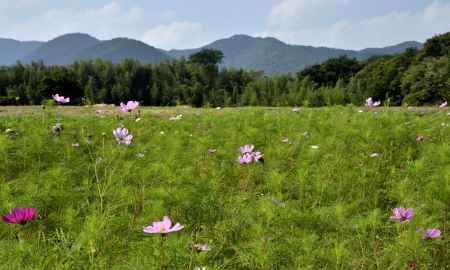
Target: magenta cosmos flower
x,y
61,99
432,233
402,214
371,104
130,106
163,227
20,215
123,136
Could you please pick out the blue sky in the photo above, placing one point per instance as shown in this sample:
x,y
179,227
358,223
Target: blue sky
x,y
352,24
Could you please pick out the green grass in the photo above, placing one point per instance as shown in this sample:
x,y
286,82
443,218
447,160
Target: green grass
x,y
303,208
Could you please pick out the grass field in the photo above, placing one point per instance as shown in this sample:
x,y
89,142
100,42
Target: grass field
x,y
322,198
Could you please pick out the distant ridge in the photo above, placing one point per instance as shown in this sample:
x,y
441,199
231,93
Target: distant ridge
x,y
118,49
241,51
61,50
12,50
274,56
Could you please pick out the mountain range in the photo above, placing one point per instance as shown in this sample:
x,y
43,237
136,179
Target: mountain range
x,y
240,51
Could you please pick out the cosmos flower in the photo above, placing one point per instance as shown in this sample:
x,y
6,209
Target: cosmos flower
x,y
248,156
420,138
432,233
20,215
306,135
122,136
176,118
402,214
57,128
130,106
257,156
371,104
61,99
202,247
163,227
443,104
248,148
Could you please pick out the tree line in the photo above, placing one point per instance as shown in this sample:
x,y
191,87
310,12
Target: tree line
x,y
414,77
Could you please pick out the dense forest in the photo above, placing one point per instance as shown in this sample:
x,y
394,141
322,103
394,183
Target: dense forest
x,y
415,77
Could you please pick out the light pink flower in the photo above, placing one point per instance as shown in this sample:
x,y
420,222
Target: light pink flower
x,y
248,148
122,136
432,233
61,99
248,156
371,104
130,106
202,247
163,227
443,104
402,214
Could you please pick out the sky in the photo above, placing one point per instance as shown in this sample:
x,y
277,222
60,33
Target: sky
x,y
181,24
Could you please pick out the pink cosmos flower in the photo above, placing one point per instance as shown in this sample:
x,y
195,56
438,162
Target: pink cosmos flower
x,y
122,136
432,233
247,148
202,247
20,215
248,156
402,214
61,99
443,104
163,227
420,138
130,106
371,104
257,156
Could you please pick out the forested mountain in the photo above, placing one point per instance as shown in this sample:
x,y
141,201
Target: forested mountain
x,y
119,49
241,51
61,50
276,57
12,50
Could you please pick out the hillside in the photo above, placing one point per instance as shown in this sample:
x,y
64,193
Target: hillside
x,y
274,56
61,50
12,50
118,49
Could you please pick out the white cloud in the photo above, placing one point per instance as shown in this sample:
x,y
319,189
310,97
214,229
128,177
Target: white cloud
x,y
292,13
177,34
107,21
289,21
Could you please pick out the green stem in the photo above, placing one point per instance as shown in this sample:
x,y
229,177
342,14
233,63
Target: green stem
x,y
162,254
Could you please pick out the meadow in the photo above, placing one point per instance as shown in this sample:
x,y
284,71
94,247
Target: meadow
x,y
322,198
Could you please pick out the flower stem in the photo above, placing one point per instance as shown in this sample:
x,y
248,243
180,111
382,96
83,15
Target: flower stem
x,y
162,254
